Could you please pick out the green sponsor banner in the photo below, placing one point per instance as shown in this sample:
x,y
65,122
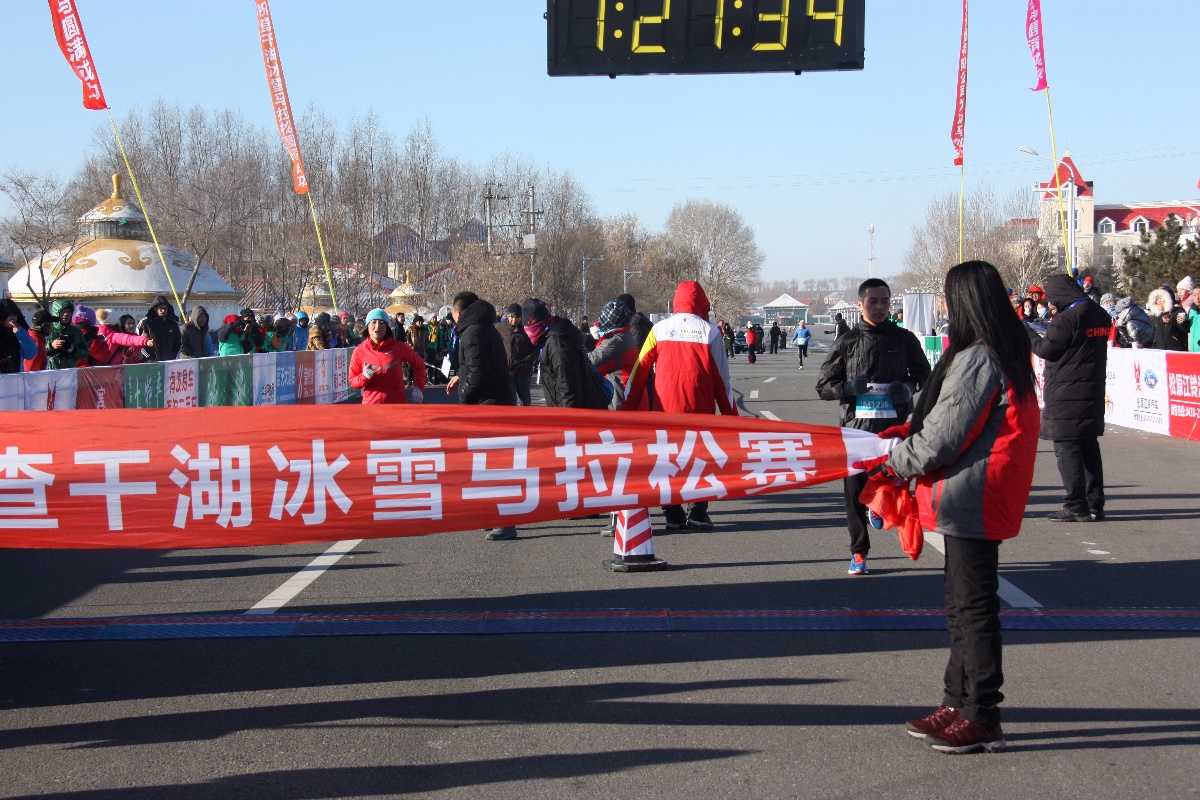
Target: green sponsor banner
x,y
227,381
144,385
933,349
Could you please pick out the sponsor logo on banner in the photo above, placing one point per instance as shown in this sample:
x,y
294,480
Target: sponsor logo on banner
x,y
1149,404
51,390
1183,392
101,387
143,385
229,477
182,385
285,379
306,377
264,379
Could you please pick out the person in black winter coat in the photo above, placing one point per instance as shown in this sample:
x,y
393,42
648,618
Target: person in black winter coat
x,y
1170,321
520,353
640,326
196,343
879,352
1075,349
567,379
482,377
161,325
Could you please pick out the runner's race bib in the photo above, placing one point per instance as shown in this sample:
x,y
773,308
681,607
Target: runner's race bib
x,y
875,404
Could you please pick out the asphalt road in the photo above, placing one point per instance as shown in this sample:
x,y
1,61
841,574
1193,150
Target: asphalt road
x,y
1096,713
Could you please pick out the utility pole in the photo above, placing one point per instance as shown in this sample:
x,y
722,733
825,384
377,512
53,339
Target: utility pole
x,y
625,279
871,251
487,211
586,259
530,239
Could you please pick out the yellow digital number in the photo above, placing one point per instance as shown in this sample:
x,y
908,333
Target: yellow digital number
x,y
600,24
782,19
638,47
719,23
836,16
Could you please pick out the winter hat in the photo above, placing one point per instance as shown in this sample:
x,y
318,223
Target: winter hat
x,y
377,314
104,316
1187,284
629,302
1107,299
514,310
83,316
231,318
534,310
301,315
615,314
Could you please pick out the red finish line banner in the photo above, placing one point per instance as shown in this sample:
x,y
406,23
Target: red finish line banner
x,y
233,477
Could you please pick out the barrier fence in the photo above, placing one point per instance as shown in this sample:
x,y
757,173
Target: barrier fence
x,y
1157,391
306,377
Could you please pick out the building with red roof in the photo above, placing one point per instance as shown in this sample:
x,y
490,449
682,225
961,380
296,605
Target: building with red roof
x,y
1103,230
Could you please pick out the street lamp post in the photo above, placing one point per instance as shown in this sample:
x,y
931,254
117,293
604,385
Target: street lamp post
x,y
625,279
586,259
1071,222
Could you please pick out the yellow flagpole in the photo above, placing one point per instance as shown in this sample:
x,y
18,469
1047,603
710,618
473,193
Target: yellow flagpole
x,y
1062,214
321,246
146,212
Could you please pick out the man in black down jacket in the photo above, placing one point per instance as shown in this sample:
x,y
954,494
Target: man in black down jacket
x,y
876,351
520,353
1075,351
162,326
482,378
567,379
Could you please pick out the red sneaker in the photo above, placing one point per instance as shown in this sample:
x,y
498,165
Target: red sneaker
x,y
936,722
964,736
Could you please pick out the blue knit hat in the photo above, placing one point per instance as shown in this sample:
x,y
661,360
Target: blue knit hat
x,y
377,314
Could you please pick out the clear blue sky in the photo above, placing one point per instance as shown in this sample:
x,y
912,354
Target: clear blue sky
x,y
808,161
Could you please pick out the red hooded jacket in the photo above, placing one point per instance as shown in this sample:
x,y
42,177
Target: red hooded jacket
x,y
688,358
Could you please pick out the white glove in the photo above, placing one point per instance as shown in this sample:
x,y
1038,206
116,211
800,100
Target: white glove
x,y
369,371
417,395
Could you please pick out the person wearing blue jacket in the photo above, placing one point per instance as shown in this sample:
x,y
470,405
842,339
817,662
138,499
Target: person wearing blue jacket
x,y
801,337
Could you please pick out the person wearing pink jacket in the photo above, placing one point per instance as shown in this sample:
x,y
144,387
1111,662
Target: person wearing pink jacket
x,y
108,348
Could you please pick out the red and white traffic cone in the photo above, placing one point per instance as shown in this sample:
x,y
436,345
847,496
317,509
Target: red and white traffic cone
x,y
633,543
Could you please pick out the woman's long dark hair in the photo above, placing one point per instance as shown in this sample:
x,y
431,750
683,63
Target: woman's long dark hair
x,y
980,312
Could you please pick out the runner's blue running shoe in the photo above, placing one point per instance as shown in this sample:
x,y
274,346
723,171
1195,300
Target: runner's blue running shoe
x,y
858,564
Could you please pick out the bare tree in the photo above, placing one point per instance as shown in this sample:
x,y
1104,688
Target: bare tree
x,y
42,228
717,248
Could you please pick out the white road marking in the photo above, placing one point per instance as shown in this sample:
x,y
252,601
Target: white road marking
x,y
769,415
754,394
1008,592
768,380
1099,552
301,580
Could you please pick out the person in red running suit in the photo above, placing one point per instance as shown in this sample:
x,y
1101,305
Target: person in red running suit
x,y
691,376
376,364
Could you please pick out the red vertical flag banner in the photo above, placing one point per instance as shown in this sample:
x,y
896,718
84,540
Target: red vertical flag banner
x,y
279,95
958,130
1033,32
68,30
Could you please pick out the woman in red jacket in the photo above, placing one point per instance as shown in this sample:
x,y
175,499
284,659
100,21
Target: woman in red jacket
x,y
751,343
376,366
970,446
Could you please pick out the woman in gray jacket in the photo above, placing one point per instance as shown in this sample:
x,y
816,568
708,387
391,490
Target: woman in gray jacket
x,y
970,447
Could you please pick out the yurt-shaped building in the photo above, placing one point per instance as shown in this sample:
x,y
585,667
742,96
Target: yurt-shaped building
x,y
114,264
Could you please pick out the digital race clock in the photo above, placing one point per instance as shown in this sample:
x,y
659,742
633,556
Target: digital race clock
x,y
642,37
